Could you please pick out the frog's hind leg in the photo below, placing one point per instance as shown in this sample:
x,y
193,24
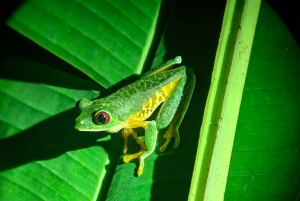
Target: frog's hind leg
x,y
176,100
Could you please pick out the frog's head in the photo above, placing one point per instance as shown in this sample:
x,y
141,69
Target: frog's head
x,y
97,116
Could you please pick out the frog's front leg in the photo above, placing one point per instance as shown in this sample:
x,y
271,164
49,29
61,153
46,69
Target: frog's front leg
x,y
150,141
129,131
125,133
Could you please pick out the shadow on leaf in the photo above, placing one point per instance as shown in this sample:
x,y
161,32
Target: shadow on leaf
x,y
48,139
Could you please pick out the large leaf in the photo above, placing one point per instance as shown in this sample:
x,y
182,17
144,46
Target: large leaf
x,y
45,96
114,34
36,126
223,102
41,167
43,158
168,175
265,159
265,162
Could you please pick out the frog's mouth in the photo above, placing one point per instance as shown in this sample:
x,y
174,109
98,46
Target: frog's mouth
x,y
113,129
80,128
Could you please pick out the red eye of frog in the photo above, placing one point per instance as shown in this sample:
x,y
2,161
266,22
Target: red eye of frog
x,y
102,118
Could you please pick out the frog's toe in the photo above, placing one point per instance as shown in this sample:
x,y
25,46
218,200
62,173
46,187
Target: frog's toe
x,y
177,138
125,149
164,146
141,143
130,157
141,168
125,145
175,145
168,135
171,132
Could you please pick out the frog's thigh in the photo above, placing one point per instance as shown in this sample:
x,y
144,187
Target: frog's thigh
x,y
169,107
179,104
187,96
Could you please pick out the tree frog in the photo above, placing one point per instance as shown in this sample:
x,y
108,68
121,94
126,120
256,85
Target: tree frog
x,y
132,105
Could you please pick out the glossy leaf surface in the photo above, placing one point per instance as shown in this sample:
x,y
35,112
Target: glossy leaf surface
x,y
265,161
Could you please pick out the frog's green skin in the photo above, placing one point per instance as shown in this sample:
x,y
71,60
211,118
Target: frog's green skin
x,y
130,106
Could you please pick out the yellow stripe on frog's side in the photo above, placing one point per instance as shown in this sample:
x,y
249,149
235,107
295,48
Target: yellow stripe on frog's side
x,y
159,97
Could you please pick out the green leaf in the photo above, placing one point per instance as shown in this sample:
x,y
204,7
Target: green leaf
x,y
265,163
224,98
167,175
114,39
38,140
261,141
108,42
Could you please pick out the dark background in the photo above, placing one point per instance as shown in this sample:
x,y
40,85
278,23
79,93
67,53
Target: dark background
x,y
287,10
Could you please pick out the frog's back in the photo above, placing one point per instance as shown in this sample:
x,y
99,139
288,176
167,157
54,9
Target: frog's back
x,y
133,98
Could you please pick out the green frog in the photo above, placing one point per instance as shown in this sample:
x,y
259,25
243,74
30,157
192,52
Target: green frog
x,y
132,105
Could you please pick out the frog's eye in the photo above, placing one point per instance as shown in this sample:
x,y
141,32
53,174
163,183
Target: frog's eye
x,y
101,118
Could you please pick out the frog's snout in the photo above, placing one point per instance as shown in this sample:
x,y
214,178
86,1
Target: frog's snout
x,y
80,123
77,124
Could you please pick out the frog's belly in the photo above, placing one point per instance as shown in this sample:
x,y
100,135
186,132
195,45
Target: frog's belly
x,y
150,106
